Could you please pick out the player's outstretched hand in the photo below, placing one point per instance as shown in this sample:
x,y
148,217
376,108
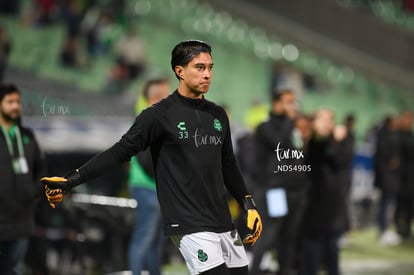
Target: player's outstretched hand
x,y
252,219
56,187
54,196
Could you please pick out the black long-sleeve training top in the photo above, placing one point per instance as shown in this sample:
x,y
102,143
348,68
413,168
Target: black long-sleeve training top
x,y
193,158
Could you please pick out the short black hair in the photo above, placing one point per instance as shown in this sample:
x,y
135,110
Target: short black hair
x,y
151,82
185,51
6,89
278,93
350,118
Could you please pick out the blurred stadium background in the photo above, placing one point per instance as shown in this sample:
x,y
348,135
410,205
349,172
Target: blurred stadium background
x,y
353,56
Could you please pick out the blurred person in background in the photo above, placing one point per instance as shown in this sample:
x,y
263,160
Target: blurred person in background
x,y
147,238
130,50
130,62
10,7
70,56
349,123
71,13
193,159
345,170
303,124
256,113
387,161
408,5
284,75
45,12
405,198
118,78
275,137
5,47
324,220
21,167
97,24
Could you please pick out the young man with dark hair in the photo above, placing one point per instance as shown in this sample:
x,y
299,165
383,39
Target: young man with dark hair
x,y
190,142
21,166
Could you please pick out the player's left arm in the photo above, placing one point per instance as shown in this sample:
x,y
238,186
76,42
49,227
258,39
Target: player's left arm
x,y
235,184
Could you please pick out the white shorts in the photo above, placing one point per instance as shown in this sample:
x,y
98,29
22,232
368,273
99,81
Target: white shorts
x,y
203,251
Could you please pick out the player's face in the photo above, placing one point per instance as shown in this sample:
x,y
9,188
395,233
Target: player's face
x,y
10,107
196,76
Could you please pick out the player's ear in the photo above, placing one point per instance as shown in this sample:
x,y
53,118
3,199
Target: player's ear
x,y
179,71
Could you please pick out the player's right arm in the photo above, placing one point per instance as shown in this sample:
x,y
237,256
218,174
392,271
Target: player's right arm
x,y
144,131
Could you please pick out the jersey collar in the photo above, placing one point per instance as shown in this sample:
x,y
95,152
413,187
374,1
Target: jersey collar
x,y
190,101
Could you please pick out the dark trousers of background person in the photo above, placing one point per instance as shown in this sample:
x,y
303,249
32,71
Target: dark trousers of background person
x,y
281,233
386,203
36,257
322,249
12,254
145,250
404,215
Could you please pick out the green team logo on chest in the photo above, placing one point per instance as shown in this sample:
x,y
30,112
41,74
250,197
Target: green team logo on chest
x,y
202,256
217,125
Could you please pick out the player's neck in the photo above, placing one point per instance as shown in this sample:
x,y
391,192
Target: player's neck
x,y
183,91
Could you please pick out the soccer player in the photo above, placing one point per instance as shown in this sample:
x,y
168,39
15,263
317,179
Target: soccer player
x,y
190,142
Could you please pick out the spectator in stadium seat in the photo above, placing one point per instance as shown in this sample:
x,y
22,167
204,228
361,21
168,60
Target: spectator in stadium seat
x,y
118,78
97,23
71,14
70,56
10,7
45,12
130,62
408,5
130,49
5,47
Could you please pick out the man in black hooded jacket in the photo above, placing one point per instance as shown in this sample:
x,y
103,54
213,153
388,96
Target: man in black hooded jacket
x,y
21,167
280,164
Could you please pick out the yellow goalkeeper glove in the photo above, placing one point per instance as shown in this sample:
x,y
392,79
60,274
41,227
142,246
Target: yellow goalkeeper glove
x,y
54,196
252,219
56,187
